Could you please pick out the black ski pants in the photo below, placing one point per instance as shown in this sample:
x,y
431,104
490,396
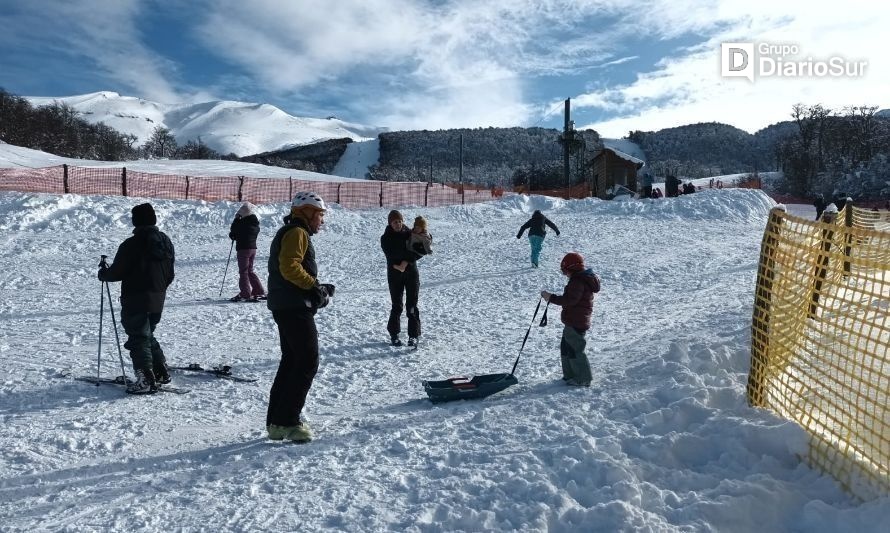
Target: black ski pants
x,y
145,352
407,283
297,369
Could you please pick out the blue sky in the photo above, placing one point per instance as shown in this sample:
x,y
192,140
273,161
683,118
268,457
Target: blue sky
x,y
411,64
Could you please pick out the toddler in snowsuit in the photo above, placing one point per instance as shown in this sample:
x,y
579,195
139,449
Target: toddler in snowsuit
x,y
419,242
577,306
536,233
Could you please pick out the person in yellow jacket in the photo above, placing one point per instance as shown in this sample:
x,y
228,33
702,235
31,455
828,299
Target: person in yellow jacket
x,y
294,296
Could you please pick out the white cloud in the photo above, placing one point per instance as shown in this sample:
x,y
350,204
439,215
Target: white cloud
x,y
105,32
393,62
689,89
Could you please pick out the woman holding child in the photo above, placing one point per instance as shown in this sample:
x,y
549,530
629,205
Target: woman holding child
x,y
402,248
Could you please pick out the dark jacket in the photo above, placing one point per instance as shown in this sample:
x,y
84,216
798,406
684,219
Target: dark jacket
x,y
244,232
395,248
535,225
283,294
577,299
144,263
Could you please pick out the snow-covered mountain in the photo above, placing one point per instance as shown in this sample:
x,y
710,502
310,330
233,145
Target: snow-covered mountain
x,y
228,127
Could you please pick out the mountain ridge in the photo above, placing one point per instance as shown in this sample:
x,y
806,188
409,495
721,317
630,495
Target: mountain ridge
x,y
227,126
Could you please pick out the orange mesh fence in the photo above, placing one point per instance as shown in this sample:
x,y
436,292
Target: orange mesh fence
x,y
44,180
101,181
396,194
157,185
268,191
821,338
440,194
354,195
349,194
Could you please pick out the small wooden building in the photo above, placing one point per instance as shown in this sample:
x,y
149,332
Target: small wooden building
x,y
613,167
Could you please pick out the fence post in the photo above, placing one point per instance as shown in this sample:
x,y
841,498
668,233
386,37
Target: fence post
x,y
426,195
65,178
338,191
822,262
124,181
240,186
290,188
381,194
760,332
848,237
187,185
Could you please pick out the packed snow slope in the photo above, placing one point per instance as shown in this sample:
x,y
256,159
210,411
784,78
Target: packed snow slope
x,y
12,156
662,441
241,128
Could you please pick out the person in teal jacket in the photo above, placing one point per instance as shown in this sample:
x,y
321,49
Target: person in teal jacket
x,y
536,233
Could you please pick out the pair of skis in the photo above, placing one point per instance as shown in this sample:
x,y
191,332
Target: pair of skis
x,y
221,371
126,382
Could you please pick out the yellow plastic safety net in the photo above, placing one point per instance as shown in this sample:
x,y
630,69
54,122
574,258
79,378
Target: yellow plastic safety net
x,y
821,338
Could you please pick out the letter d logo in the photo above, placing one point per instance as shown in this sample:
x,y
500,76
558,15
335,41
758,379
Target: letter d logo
x,y
737,60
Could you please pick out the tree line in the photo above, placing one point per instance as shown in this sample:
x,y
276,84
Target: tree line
x,y
495,157
831,152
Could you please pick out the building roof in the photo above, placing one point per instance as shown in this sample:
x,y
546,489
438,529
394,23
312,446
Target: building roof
x,y
622,155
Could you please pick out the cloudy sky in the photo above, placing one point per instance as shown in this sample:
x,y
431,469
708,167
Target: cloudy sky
x,y
413,64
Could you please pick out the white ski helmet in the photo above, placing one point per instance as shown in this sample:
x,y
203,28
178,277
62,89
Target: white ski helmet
x,y
310,199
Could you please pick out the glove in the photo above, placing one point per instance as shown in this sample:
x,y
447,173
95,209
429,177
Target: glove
x,y
101,274
232,236
328,288
546,296
557,233
319,297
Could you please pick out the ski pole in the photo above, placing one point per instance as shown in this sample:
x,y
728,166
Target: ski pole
x,y
120,354
226,271
101,314
526,335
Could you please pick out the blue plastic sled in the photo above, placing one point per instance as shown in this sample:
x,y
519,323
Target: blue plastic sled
x,y
463,388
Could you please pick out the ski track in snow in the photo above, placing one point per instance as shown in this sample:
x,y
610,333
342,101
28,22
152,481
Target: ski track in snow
x,y
663,440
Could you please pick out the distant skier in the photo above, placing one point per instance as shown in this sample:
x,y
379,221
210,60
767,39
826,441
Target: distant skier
x,y
646,184
536,234
577,306
294,297
144,265
820,204
244,231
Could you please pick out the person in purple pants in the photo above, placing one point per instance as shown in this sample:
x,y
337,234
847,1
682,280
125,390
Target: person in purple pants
x,y
244,231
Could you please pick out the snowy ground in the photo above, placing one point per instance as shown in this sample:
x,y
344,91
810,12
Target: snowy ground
x,y
663,441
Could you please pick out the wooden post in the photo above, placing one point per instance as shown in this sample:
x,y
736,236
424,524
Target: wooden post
x,y
124,181
187,185
848,238
338,191
760,333
381,194
65,179
566,141
460,169
426,193
240,187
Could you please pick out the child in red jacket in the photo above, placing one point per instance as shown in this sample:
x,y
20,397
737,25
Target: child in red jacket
x,y
577,306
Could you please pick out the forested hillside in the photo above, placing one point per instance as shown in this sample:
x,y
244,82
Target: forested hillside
x,y
491,156
701,150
